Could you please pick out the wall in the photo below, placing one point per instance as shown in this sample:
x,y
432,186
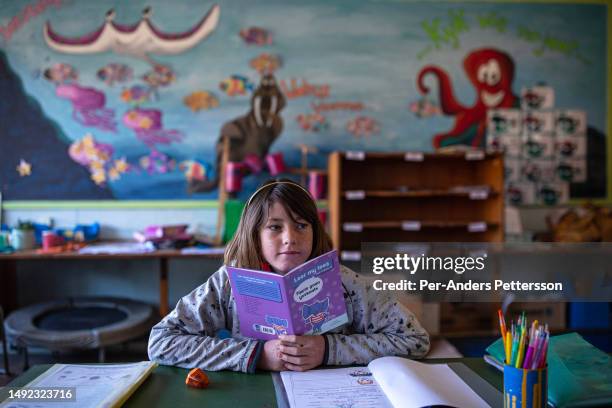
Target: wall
x,y
354,79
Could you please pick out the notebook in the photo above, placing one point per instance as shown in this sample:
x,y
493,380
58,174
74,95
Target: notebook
x,y
83,386
387,382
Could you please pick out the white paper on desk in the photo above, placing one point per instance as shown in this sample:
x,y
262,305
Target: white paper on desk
x,y
332,388
118,248
96,385
409,384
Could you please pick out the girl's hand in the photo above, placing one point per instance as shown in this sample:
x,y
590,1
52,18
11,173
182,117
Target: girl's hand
x,y
270,358
301,353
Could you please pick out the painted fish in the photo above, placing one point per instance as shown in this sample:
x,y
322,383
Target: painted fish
x,y
424,108
313,122
61,73
148,126
362,126
136,94
199,100
157,162
96,157
265,63
194,170
256,36
87,151
236,85
161,75
114,72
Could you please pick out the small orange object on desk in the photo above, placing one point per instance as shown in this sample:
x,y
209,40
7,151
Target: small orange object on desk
x,y
197,379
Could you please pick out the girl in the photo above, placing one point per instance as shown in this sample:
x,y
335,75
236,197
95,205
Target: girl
x,y
279,230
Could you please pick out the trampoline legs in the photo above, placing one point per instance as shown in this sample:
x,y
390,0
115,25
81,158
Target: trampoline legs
x,y
7,369
26,357
101,355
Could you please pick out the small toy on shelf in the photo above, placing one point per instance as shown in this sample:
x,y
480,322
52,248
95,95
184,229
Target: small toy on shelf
x,y
23,236
165,236
276,163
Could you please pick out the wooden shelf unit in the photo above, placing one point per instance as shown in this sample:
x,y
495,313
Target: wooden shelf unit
x,y
383,197
419,197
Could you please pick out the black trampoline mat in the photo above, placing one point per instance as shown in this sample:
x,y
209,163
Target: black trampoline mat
x,y
78,318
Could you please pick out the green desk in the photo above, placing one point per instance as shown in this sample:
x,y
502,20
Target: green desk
x,y
166,387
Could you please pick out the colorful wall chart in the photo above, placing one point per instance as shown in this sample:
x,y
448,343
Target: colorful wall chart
x,y
127,100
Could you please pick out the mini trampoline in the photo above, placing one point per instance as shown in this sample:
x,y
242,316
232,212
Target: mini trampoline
x,y
78,324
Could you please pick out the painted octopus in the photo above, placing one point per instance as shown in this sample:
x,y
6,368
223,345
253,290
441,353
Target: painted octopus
x,y
491,72
147,124
88,106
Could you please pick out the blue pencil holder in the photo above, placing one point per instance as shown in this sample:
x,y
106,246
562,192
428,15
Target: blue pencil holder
x,y
525,388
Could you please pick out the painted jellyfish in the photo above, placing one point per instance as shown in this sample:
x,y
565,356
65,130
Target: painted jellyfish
x,y
147,124
88,106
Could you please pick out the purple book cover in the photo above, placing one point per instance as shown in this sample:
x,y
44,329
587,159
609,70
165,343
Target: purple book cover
x,y
309,299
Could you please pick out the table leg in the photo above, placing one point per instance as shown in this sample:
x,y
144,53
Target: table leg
x,y
163,287
8,285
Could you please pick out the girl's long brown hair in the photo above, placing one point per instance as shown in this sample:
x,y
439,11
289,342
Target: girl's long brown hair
x,y
244,249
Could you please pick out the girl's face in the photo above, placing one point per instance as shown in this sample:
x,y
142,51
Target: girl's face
x,y
285,243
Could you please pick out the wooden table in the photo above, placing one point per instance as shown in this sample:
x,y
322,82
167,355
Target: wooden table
x,y
8,269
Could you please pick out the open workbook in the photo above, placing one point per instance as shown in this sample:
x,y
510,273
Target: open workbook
x,y
387,382
308,299
85,386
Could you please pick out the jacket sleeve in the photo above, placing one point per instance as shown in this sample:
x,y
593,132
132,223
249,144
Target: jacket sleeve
x,y
381,325
187,336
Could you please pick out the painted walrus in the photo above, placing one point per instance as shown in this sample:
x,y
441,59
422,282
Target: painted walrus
x,y
253,133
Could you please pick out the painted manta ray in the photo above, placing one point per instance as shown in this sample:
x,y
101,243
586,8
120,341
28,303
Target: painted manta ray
x,y
316,314
138,40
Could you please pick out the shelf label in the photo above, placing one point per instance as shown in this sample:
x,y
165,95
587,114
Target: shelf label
x,y
352,227
355,195
414,156
350,255
479,194
411,225
355,155
474,155
479,226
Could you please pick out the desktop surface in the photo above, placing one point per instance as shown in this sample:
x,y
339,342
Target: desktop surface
x,y
166,387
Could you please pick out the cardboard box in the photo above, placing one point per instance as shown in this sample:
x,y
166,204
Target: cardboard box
x,y
468,318
520,194
570,122
512,169
508,144
538,121
503,122
538,145
538,171
571,146
551,313
537,97
552,193
571,170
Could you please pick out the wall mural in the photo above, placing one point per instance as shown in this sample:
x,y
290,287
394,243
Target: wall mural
x,y
131,100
